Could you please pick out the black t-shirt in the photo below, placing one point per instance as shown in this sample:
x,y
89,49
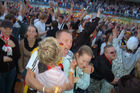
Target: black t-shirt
x,y
102,69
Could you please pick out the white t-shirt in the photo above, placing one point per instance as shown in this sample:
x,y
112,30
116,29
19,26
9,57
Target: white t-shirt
x,y
3,16
20,18
41,28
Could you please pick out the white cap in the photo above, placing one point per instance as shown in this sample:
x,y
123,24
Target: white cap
x,y
132,43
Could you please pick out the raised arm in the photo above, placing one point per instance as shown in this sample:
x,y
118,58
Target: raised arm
x,y
5,6
95,23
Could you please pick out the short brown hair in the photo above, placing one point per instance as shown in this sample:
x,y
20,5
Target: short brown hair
x,y
85,49
106,47
43,16
58,33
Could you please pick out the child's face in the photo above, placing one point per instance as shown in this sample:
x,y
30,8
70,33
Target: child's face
x,y
6,31
83,60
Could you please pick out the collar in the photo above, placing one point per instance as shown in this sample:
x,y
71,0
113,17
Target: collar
x,y
108,60
5,39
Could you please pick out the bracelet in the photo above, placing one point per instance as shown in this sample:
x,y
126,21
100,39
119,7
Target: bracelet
x,y
43,89
56,90
71,70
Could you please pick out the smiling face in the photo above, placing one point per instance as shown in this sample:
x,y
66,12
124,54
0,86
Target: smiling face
x,y
31,32
65,39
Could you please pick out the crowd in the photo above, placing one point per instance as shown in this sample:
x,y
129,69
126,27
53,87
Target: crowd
x,y
119,8
56,53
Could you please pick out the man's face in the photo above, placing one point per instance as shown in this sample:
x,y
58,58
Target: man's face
x,y
6,31
110,53
60,20
66,39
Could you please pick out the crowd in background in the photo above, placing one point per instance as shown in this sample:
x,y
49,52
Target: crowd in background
x,y
106,53
117,8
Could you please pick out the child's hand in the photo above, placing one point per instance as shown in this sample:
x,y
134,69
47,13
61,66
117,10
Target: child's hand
x,y
73,64
76,79
88,69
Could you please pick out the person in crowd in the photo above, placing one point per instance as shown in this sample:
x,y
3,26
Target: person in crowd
x,y
47,71
9,55
83,69
65,40
40,25
27,45
108,41
103,66
61,23
120,67
130,84
126,37
88,30
54,29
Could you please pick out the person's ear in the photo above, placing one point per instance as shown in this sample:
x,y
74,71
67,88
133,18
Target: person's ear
x,y
77,55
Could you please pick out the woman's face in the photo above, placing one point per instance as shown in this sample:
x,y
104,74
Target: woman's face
x,y
83,60
31,32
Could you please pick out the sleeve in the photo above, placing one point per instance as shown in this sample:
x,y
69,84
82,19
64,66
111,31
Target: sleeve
x,y
16,51
137,54
106,72
38,27
66,65
121,35
83,82
20,18
102,48
93,42
116,45
3,16
93,25
21,60
1,56
76,24
33,61
108,75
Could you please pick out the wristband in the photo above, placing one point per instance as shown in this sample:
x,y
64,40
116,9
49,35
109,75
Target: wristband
x,y
56,90
43,89
71,70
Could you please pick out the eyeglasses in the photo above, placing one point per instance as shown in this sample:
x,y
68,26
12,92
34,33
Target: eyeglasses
x,y
113,52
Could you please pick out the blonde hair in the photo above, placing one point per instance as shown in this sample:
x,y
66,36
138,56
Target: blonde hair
x,y
137,69
49,51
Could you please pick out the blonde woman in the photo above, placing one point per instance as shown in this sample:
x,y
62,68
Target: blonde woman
x,y
47,71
